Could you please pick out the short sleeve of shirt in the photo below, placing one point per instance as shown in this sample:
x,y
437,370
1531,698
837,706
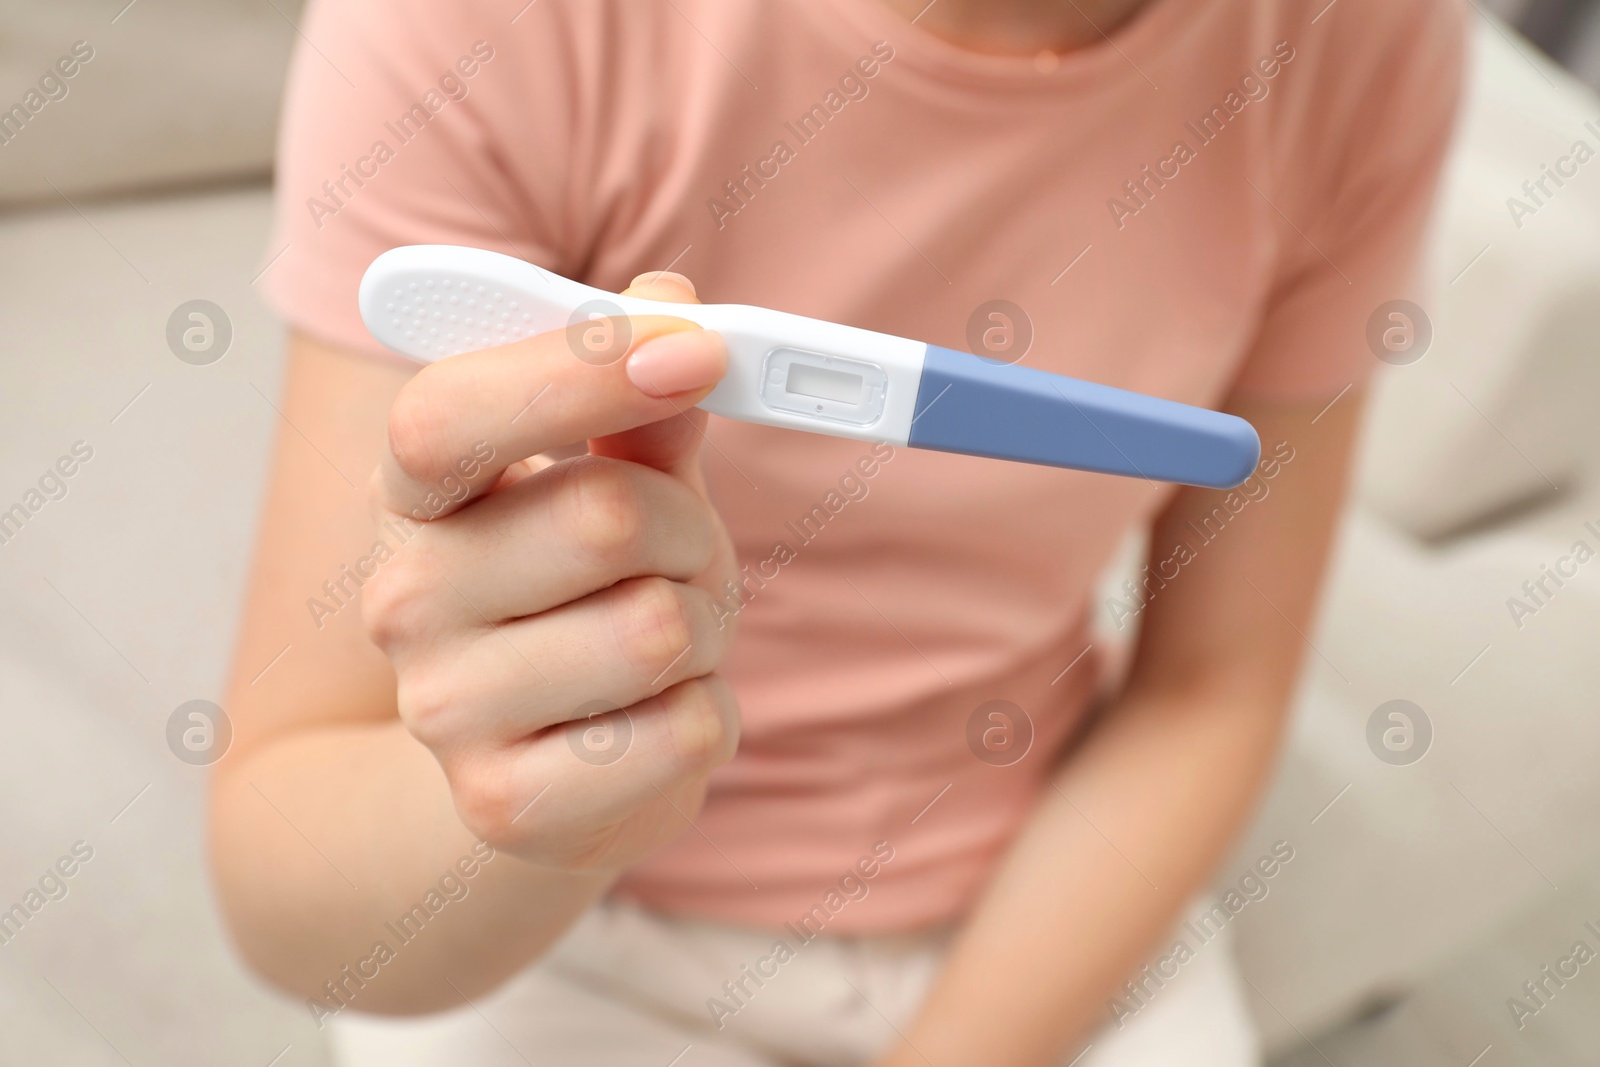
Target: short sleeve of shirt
x,y
398,129
1353,190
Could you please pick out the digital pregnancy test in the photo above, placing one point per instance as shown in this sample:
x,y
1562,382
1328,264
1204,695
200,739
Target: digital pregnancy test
x,y
428,302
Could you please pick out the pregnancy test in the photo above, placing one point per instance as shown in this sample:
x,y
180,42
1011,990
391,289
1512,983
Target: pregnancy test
x,y
428,302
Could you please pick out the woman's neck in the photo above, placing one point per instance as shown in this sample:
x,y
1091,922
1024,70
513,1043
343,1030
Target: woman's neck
x,y
1017,27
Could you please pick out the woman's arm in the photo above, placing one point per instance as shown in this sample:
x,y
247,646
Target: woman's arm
x,y
1149,802
327,818
360,867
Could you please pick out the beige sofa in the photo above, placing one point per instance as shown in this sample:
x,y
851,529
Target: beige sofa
x,y
1480,468
145,186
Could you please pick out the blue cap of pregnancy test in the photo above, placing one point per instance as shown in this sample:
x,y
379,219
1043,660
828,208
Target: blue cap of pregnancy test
x,y
981,407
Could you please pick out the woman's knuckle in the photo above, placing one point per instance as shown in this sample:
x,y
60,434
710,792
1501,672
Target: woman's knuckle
x,y
700,729
427,703
605,515
486,803
417,423
381,611
391,603
656,628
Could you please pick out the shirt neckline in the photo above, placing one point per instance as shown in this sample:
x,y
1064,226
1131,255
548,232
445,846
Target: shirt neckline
x,y
915,47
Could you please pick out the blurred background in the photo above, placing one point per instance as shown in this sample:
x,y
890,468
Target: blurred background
x,y
1442,859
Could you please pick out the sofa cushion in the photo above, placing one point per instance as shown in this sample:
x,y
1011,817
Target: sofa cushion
x,y
167,91
1494,413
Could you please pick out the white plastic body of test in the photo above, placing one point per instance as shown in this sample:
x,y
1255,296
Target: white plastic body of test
x,y
410,295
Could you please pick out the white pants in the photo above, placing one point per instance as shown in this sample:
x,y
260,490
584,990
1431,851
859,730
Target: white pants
x,y
629,988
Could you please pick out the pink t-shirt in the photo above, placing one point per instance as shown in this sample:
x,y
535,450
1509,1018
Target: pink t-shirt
x,y
1211,202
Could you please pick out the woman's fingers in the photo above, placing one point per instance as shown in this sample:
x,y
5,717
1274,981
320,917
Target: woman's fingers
x,y
620,646
460,422
553,629
553,536
583,794
671,445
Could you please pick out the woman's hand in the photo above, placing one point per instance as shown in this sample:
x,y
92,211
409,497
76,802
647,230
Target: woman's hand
x,y
551,623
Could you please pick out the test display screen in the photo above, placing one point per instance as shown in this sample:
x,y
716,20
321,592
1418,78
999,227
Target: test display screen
x,y
824,384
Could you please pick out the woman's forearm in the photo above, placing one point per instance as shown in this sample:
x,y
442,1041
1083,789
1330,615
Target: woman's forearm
x,y
1143,810
348,879
1132,827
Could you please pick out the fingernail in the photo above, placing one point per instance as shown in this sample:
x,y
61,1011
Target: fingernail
x,y
653,277
677,362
